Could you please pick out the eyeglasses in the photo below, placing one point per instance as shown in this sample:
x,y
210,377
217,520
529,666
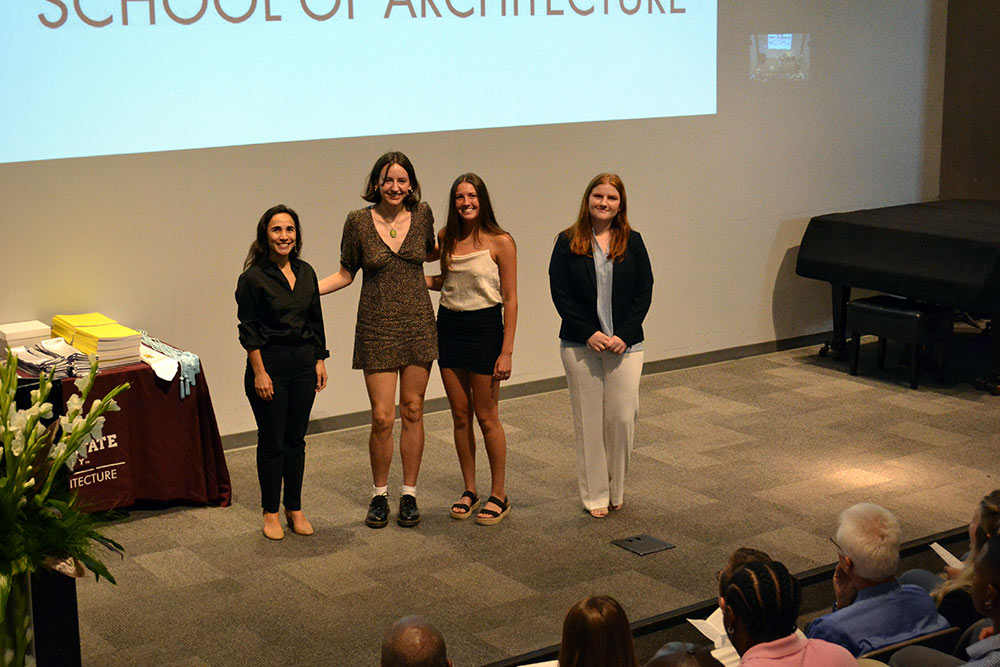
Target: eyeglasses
x,y
840,549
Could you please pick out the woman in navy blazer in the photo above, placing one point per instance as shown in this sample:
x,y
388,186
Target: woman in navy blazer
x,y
602,284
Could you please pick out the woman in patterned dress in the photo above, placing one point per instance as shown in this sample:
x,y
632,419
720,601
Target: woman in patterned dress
x,y
395,340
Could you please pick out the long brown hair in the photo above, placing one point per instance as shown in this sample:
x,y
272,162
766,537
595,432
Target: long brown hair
x,y
581,234
453,227
989,524
596,634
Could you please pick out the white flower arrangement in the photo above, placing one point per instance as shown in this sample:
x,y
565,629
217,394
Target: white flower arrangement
x,y
40,523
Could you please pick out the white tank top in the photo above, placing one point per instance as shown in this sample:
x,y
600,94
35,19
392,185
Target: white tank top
x,y
472,282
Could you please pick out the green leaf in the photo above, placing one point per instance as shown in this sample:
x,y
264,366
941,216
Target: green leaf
x,y
98,568
5,583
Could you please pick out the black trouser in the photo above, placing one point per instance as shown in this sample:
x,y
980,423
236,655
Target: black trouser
x,y
282,421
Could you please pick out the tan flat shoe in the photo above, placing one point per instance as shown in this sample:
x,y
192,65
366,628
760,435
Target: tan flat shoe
x,y
298,523
272,526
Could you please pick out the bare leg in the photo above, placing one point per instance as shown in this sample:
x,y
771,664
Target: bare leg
x,y
456,385
485,398
381,386
412,385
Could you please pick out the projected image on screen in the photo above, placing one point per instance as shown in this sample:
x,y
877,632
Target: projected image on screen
x,y
99,77
779,57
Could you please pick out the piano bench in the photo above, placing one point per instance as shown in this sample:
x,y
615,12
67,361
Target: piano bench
x,y
911,322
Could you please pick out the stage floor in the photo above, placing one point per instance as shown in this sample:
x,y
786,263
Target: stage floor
x,y
760,452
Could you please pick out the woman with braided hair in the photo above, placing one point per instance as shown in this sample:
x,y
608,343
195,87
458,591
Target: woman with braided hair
x,y
760,607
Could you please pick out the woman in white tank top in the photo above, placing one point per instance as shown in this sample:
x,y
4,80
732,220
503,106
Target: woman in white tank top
x,y
476,321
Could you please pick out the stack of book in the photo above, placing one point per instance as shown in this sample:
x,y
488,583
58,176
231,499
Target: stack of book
x,y
22,334
54,355
65,325
93,333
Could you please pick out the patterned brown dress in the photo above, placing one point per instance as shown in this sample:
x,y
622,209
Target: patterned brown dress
x,y
395,318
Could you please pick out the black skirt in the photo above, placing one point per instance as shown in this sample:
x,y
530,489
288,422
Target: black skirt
x,y
470,339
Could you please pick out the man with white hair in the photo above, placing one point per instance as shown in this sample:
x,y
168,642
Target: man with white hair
x,y
872,609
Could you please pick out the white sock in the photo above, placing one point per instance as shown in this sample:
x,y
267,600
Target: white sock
x,y
409,491
380,491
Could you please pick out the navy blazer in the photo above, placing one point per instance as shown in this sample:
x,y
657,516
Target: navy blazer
x,y
573,282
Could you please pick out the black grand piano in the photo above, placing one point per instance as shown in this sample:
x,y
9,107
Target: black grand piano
x,y
943,252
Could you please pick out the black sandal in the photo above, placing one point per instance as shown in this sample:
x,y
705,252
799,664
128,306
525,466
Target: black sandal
x,y
456,509
493,517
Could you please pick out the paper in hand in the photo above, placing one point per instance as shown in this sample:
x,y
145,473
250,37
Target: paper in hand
x,y
947,556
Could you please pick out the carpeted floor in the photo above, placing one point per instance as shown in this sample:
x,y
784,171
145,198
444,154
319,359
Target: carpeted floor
x,y
763,452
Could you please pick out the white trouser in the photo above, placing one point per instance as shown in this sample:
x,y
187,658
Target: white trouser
x,y
604,392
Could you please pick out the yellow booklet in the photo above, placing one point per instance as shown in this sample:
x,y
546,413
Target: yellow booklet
x,y
82,320
105,331
85,330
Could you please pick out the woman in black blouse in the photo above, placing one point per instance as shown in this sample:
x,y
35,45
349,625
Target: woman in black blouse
x,y
281,328
602,284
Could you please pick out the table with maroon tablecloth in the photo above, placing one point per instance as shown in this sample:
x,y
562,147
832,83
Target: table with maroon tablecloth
x,y
159,447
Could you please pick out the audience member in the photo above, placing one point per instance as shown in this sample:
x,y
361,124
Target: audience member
x,y
872,608
737,559
986,595
413,642
954,594
760,607
680,654
683,654
596,633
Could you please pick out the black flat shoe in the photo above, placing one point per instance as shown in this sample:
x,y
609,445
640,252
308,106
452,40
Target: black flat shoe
x,y
378,513
408,514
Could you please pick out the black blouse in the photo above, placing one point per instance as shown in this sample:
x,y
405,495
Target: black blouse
x,y
271,313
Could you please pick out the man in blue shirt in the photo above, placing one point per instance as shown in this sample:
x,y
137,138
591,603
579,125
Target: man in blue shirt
x,y
872,609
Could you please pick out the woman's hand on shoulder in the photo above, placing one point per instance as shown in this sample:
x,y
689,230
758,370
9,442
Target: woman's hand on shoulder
x,y
434,282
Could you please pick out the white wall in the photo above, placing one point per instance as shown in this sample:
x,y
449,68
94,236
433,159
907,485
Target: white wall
x,y
158,240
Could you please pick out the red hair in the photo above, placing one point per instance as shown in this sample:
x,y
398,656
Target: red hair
x,y
581,234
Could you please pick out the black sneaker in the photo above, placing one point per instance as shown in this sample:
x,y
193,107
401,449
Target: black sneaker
x,y
408,515
378,512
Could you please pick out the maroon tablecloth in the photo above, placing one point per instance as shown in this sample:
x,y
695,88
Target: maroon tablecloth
x,y
158,448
